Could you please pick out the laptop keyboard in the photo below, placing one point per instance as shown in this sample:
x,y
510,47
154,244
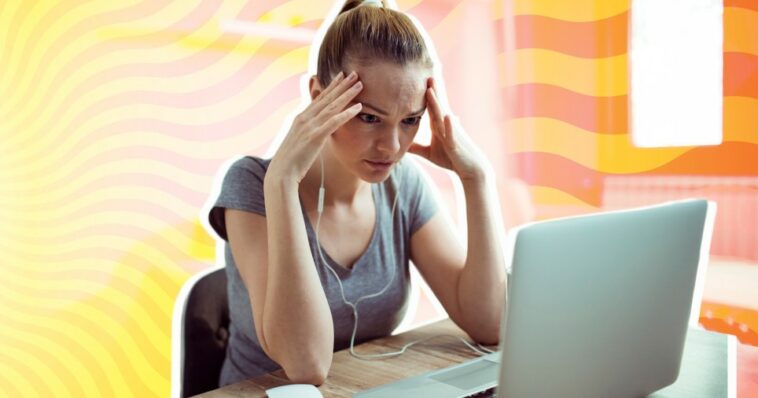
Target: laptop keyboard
x,y
488,393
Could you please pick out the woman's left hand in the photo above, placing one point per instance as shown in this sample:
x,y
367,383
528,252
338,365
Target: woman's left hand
x,y
450,148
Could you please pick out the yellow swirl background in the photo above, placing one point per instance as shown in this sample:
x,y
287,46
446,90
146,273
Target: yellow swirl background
x,y
115,117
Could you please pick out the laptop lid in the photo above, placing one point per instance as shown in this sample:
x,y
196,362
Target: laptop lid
x,y
598,305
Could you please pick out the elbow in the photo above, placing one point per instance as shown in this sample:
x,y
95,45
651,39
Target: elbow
x,y
304,371
304,363
486,338
485,334
481,333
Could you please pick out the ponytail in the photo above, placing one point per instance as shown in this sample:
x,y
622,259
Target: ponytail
x,y
350,4
366,31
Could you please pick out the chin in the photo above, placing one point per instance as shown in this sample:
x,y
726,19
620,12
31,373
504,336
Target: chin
x,y
374,178
373,174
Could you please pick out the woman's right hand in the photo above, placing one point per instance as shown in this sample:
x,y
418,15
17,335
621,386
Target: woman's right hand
x,y
311,128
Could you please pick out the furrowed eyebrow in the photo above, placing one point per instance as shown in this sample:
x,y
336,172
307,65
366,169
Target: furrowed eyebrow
x,y
384,113
377,109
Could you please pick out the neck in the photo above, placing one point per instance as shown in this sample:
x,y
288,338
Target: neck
x,y
341,186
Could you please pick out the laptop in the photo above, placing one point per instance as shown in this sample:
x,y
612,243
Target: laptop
x,y
598,306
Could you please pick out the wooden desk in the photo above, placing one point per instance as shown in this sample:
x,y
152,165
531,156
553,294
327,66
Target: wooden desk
x,y
349,375
705,365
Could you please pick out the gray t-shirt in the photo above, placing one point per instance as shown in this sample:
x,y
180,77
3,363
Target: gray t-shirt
x,y
387,253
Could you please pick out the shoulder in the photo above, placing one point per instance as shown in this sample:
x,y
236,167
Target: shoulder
x,y
415,195
241,189
410,178
244,179
407,172
247,167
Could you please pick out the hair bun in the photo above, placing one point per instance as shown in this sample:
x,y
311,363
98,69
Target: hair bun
x,y
351,4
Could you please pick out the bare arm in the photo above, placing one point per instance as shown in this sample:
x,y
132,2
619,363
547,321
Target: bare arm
x,y
481,284
296,317
470,283
292,317
295,335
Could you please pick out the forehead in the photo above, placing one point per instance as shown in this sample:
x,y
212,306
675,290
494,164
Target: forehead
x,y
397,89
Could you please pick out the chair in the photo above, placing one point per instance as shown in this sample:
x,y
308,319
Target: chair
x,y
200,332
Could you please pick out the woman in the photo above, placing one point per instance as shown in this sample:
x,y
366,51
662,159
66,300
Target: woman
x,y
295,271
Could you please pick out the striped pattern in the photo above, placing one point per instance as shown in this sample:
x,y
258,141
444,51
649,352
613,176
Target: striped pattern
x,y
114,119
563,77
565,81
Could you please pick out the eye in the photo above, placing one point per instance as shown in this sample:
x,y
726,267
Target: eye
x,y
412,121
368,118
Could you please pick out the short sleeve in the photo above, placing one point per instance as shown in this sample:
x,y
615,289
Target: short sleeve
x,y
418,196
241,189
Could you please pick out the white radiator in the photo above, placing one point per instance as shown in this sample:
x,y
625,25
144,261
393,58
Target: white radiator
x,y
736,229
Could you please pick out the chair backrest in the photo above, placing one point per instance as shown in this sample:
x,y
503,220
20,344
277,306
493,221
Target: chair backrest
x,y
201,333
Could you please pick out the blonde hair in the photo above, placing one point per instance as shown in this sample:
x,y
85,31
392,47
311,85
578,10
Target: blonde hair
x,y
365,31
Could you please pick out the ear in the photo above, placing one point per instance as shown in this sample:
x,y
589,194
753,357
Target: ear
x,y
314,86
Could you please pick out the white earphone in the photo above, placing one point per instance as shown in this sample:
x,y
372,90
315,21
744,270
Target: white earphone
x,y
321,193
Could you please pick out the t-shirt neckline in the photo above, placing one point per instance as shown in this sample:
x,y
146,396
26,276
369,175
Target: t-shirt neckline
x,y
339,268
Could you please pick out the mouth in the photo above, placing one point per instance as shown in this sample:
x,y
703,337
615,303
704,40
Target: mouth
x,y
379,164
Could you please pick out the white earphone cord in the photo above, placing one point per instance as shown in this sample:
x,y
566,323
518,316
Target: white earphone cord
x,y
479,349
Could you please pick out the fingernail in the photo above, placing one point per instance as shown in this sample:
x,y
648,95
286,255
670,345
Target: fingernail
x,y
352,75
358,85
340,75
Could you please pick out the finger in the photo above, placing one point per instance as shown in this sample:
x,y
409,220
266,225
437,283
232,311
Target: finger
x,y
421,150
343,85
335,121
449,139
435,113
339,103
312,109
332,85
327,98
434,87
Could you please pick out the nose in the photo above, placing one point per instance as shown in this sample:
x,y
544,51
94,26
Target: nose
x,y
388,141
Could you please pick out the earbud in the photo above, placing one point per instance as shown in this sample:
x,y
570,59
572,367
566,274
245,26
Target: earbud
x,y
321,192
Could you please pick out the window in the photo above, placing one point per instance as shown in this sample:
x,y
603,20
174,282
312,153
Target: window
x,y
676,68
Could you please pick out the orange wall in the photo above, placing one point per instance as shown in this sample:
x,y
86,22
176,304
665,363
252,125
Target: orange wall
x,y
565,80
